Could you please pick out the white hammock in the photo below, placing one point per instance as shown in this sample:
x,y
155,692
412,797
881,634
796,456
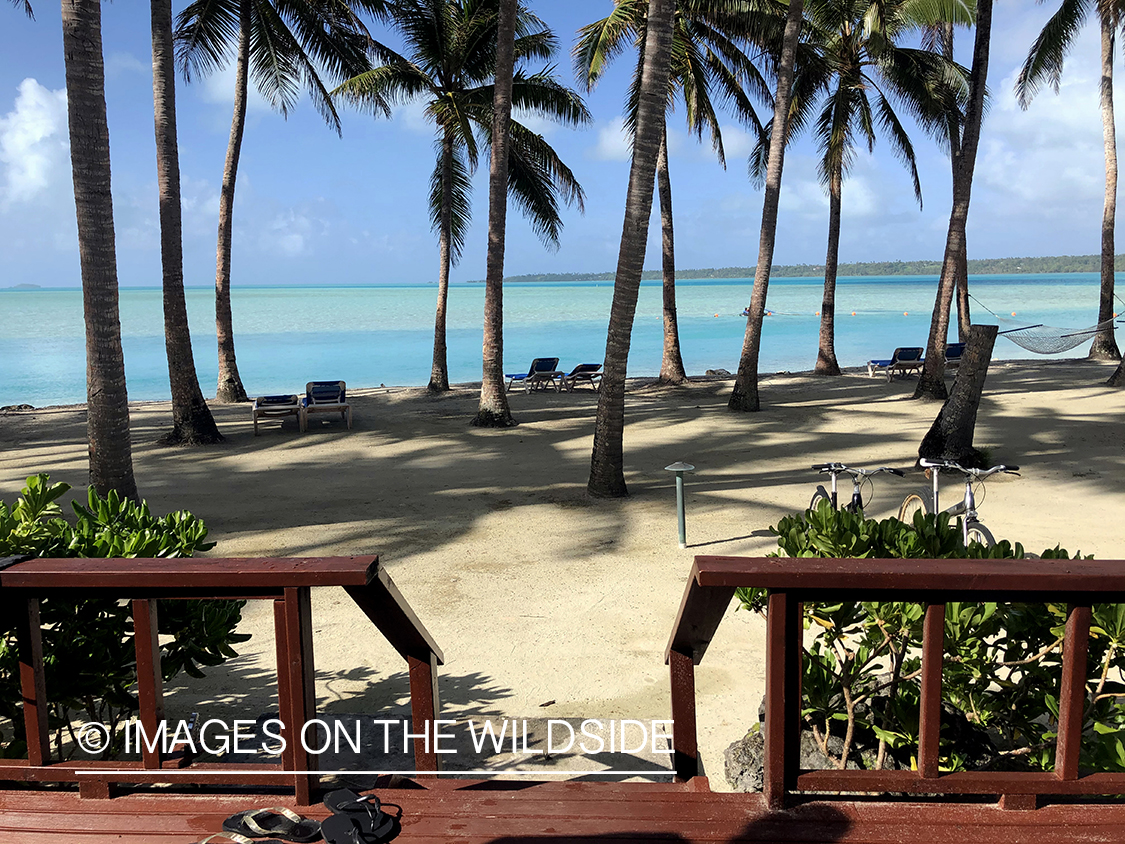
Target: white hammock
x,y
1047,340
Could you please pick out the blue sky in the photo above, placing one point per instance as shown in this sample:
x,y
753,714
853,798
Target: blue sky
x,y
313,208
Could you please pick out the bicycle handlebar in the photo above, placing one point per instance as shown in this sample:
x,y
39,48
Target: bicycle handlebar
x,y
976,473
840,468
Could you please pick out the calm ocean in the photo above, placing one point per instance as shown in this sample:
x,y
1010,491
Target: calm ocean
x,y
384,334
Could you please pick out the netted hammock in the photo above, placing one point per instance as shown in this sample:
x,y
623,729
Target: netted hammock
x,y
1047,340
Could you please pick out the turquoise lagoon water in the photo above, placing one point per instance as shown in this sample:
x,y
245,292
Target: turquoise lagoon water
x,y
376,335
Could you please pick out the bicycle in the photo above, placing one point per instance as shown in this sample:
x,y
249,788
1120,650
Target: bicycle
x,y
858,476
929,501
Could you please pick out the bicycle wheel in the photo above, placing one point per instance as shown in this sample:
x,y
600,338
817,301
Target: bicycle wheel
x,y
979,533
821,494
915,502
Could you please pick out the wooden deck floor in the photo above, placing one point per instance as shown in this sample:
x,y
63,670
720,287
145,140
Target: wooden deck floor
x,y
500,813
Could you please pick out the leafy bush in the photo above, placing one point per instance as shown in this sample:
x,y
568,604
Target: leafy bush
x,y
88,651
861,674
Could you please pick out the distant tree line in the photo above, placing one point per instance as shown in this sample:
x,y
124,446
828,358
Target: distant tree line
x,y
980,266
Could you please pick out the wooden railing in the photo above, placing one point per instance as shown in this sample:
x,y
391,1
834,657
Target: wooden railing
x,y
285,581
933,583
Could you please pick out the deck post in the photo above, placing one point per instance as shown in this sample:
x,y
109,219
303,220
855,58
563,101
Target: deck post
x,y
783,698
424,708
300,687
929,716
1072,694
33,684
685,741
150,696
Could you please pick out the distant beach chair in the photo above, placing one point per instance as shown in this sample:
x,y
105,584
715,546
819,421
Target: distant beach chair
x,y
271,407
543,372
953,353
586,373
325,396
904,360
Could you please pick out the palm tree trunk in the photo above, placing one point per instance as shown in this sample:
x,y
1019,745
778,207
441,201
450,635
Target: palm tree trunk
x,y
607,463
745,394
493,411
964,316
826,355
672,364
230,387
192,422
1104,346
439,371
107,400
931,383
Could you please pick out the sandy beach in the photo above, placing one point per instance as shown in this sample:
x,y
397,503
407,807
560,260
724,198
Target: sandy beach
x,y
549,604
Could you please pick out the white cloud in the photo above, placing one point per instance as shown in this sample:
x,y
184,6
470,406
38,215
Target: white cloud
x,y
737,143
613,143
287,234
218,88
413,117
120,64
33,142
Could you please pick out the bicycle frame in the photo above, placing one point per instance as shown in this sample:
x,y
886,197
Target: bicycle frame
x,y
967,506
857,498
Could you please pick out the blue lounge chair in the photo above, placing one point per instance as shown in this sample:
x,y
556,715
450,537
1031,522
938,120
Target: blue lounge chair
x,y
586,373
272,407
953,353
543,372
905,359
321,396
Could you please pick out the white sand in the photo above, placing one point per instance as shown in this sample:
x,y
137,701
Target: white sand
x,y
537,593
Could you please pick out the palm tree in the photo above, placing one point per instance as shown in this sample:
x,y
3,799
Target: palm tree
x,y
607,463
863,71
493,411
1044,64
107,401
931,383
450,63
706,55
744,397
26,6
281,43
192,422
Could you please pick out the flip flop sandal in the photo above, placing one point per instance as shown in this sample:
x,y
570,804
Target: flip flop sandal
x,y
239,839
355,819
357,829
276,822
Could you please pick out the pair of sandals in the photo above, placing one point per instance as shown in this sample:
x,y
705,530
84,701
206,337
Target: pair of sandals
x,y
354,820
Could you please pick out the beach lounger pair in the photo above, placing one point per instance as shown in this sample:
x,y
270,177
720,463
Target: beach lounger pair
x,y
544,373
319,397
910,358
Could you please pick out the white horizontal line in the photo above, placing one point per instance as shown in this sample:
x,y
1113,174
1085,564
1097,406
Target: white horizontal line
x,y
124,772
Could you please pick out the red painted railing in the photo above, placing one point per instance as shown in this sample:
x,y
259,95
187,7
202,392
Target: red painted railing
x,y
790,582
285,581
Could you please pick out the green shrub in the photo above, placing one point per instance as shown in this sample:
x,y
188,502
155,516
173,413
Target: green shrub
x,y
88,652
861,674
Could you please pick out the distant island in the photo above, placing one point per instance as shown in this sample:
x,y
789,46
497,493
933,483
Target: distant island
x,y
979,266
25,287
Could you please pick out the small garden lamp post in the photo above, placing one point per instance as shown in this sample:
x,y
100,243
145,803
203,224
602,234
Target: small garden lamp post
x,y
680,468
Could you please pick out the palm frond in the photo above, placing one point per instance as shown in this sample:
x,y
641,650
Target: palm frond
x,y
205,33
599,43
26,6
460,200
536,179
900,142
380,88
1044,62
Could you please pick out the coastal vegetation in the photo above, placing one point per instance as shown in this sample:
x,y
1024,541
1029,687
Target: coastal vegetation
x,y
88,650
709,65
285,47
1044,65
449,65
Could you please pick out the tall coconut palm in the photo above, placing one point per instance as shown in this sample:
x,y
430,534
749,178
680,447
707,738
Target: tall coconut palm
x,y
1044,64
282,44
493,411
107,401
192,422
450,63
744,397
707,56
607,463
931,382
864,72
